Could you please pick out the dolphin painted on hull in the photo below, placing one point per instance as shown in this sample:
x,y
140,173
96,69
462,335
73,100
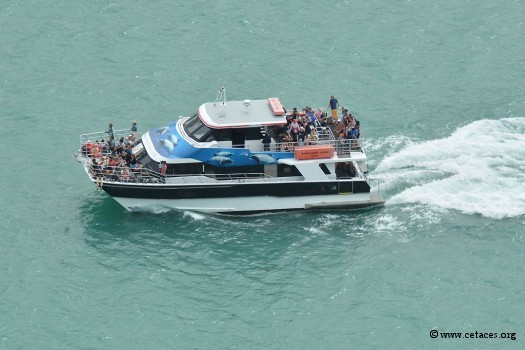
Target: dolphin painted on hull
x,y
167,144
263,158
221,160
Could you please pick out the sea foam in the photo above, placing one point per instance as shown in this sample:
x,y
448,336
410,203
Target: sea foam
x,y
478,169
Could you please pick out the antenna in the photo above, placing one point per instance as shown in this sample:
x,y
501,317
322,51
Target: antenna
x,y
221,95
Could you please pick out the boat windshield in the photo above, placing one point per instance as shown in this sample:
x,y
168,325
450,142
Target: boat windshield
x,y
195,128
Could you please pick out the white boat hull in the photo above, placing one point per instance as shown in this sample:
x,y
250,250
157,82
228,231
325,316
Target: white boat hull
x,y
252,204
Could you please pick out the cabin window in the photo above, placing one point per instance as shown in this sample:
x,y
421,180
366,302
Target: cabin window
x,y
192,124
184,168
284,170
244,171
345,170
200,132
196,129
252,133
220,135
324,168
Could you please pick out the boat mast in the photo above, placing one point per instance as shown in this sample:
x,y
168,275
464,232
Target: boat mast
x,y
221,95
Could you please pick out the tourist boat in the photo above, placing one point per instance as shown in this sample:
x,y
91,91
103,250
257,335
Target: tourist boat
x,y
228,158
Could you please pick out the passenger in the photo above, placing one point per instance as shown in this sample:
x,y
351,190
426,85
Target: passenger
x,y
103,146
104,162
294,130
302,119
351,120
341,143
318,113
333,104
120,145
287,142
112,163
111,144
133,162
322,120
108,169
128,153
94,167
110,130
306,119
311,116
344,117
350,168
307,129
95,150
163,167
86,148
266,140
346,130
125,174
121,161
97,173
295,114
289,119
357,135
312,138
301,136
353,135
139,173
111,174
280,130
303,112
134,130
341,125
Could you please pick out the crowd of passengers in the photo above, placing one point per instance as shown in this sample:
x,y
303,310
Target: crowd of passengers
x,y
306,127
114,159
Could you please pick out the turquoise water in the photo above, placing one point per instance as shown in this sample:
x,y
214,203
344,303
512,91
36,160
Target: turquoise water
x,y
439,90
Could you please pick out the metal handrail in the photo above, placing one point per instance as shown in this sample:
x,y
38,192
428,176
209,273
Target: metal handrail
x,y
341,146
146,175
103,172
99,135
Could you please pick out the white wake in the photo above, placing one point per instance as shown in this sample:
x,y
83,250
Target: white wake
x,y
479,169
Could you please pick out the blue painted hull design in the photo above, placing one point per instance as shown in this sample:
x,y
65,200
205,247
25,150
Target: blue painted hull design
x,y
169,143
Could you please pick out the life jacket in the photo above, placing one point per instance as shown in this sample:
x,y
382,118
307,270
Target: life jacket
x,y
87,148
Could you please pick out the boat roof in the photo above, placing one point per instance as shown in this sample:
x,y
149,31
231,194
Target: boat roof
x,y
240,114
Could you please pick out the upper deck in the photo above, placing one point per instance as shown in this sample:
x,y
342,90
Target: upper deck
x,y
242,114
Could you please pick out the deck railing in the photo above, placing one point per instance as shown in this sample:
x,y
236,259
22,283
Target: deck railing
x,y
110,173
125,174
342,147
103,135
